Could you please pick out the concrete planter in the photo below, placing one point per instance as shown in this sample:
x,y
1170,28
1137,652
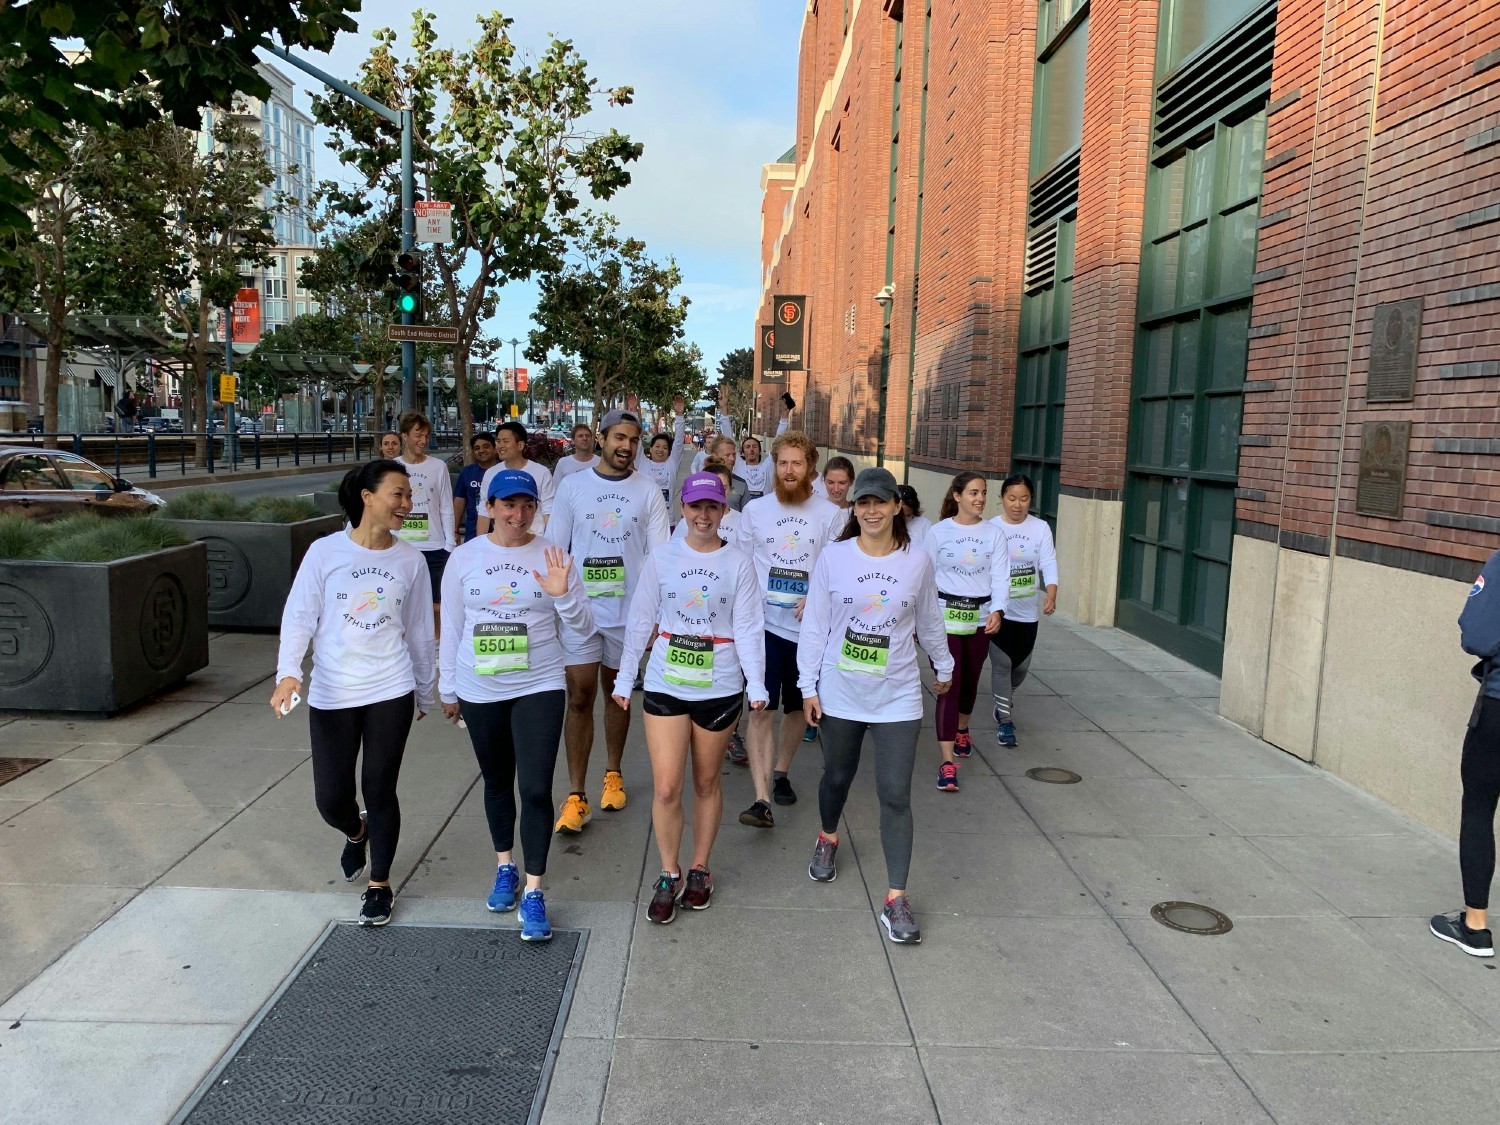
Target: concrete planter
x,y
251,566
327,502
101,636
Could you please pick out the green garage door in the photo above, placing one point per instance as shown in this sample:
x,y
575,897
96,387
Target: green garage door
x,y
1198,261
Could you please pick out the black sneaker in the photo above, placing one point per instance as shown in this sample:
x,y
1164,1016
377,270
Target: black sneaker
x,y
353,859
758,815
899,924
782,792
376,910
737,753
1452,927
822,868
663,906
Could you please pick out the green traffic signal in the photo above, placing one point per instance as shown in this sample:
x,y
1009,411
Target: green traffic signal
x,y
407,303
408,278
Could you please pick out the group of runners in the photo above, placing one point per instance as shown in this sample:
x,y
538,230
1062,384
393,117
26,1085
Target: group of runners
x,y
779,589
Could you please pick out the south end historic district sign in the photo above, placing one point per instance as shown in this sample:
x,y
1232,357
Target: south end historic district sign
x,y
422,333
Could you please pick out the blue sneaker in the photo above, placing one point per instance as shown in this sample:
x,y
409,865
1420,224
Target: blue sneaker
x,y
502,899
534,924
1006,735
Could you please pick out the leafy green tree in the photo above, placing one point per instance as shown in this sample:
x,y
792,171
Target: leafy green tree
x,y
501,137
614,308
193,53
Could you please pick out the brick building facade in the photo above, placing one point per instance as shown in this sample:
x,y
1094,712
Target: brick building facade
x,y
1221,276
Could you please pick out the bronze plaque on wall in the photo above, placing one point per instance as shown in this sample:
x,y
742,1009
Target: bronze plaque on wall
x,y
1382,469
1393,351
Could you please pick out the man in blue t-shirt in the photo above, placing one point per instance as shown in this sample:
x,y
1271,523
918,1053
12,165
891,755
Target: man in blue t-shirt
x,y
466,499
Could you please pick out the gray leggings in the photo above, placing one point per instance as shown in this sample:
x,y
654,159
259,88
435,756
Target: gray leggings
x,y
1010,660
895,755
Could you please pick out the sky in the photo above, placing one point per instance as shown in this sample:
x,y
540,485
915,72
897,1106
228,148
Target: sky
x,y
715,98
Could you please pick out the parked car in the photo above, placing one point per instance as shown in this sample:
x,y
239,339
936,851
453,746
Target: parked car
x,y
49,484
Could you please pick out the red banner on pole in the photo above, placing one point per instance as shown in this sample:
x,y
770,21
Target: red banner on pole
x,y
247,316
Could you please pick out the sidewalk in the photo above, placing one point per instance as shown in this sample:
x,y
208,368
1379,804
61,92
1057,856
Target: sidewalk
x,y
165,870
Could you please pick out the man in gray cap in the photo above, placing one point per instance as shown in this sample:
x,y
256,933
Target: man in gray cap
x,y
609,518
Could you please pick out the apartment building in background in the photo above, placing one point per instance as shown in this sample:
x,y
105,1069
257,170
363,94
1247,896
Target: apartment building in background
x,y
1222,277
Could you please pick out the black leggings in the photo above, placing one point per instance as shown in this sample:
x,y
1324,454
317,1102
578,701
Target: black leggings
x,y
895,755
532,725
1481,776
337,737
1010,662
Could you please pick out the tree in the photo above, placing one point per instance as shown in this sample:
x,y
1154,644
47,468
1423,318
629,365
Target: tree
x,y
216,221
68,259
192,53
500,137
612,307
737,382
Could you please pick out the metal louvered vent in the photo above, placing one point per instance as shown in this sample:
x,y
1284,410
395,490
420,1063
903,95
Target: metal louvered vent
x,y
1233,70
1053,197
1041,258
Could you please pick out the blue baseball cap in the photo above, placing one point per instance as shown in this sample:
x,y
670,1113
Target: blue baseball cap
x,y
510,483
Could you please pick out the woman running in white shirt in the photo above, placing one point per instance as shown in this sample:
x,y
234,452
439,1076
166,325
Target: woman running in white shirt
x,y
870,601
1032,558
701,596
363,599
972,573
506,596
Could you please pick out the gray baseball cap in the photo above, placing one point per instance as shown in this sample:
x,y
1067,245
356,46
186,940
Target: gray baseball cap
x,y
876,482
615,417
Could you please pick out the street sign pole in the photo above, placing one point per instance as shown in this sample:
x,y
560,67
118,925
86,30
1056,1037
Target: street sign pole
x,y
403,119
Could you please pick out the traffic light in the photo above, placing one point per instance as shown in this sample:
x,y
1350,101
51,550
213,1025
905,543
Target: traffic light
x,y
408,278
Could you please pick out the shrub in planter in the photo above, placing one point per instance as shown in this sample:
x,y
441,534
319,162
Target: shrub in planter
x,y
99,613
253,550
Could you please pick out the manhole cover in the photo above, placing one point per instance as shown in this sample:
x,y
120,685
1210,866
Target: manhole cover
x,y
12,768
1192,918
1054,775
407,1023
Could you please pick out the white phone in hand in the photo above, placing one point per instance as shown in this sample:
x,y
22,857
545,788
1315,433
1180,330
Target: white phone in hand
x,y
287,708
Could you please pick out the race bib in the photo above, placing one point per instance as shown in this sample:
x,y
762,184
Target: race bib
x,y
500,648
414,528
604,578
690,661
785,588
961,615
1023,581
864,652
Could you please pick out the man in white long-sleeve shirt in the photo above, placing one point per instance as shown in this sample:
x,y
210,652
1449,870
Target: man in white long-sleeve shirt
x,y
609,518
429,526
510,447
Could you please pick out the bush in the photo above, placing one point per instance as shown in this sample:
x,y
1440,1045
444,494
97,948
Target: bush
x,y
204,504
85,538
209,504
21,538
282,509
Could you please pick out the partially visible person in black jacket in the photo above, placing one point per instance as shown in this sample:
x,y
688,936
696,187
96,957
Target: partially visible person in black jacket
x,y
1479,626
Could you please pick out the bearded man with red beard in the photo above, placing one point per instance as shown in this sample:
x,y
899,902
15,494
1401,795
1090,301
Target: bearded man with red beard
x,y
784,533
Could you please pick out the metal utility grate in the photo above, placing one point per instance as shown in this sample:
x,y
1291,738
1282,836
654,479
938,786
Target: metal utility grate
x,y
407,1022
1192,918
12,768
1054,775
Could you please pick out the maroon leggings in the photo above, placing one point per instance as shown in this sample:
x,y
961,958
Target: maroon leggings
x,y
968,661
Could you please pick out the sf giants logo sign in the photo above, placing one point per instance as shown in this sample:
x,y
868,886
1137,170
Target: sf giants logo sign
x,y
785,342
789,312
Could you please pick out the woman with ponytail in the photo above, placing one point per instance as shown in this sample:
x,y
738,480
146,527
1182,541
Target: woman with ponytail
x,y
362,599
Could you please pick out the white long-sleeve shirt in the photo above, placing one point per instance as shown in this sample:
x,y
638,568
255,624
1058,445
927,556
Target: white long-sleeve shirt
x,y
368,616
1032,553
664,473
430,525
785,541
860,629
971,570
609,525
708,608
569,465
757,477
546,488
500,628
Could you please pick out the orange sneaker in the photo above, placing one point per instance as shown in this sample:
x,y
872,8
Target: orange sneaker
x,y
575,815
613,797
